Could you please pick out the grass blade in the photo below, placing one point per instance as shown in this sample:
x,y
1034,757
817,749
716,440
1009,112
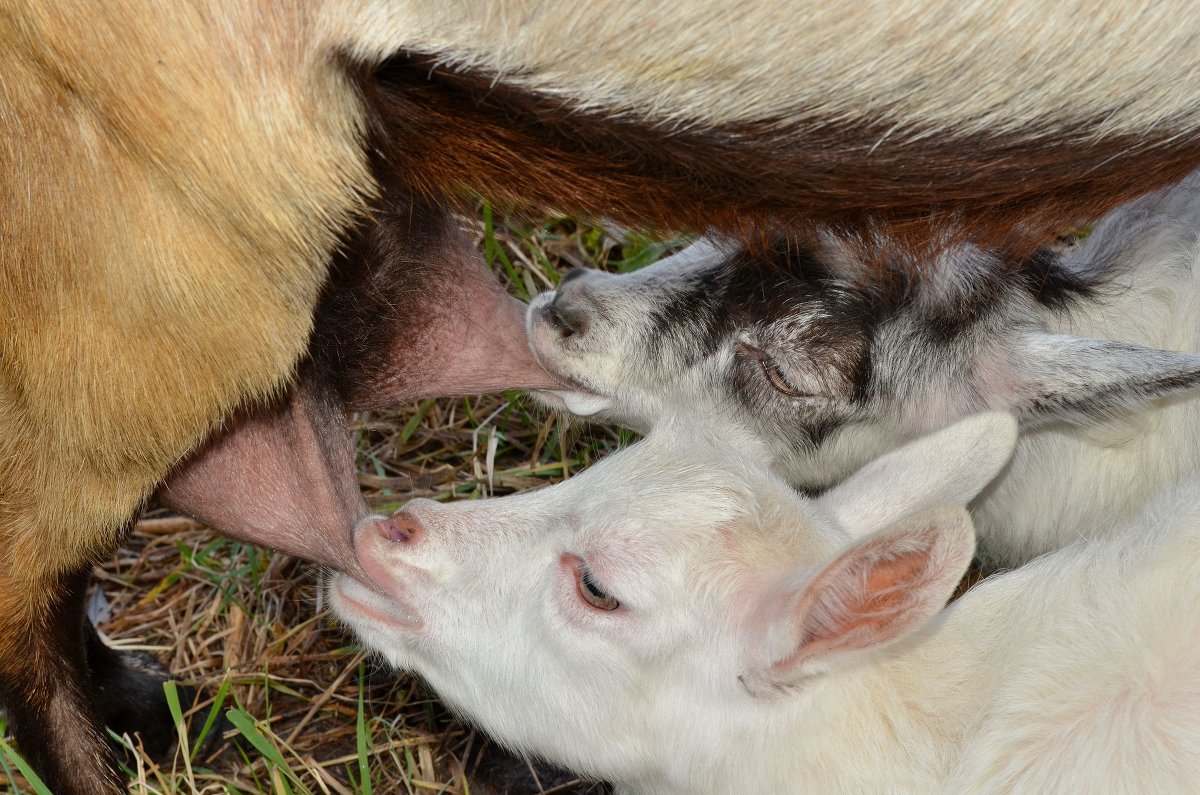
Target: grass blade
x,y
245,724
213,713
364,740
39,786
171,690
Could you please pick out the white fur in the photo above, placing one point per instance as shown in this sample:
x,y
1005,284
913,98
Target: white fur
x,y
1068,482
729,667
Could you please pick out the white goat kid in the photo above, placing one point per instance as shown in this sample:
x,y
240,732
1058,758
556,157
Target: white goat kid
x,y
833,361
677,620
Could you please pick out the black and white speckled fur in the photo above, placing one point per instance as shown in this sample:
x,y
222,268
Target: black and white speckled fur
x,y
1078,345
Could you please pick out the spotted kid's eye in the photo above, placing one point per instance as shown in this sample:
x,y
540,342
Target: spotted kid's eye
x,y
591,592
772,372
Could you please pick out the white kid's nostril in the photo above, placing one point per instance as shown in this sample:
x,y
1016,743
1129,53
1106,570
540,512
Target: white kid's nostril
x,y
401,528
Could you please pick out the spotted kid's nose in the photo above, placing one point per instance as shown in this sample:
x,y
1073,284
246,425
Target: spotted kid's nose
x,y
565,314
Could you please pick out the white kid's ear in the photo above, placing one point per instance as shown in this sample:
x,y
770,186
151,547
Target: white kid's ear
x,y
1061,378
947,467
881,589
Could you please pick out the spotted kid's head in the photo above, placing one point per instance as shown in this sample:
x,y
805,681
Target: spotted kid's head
x,y
833,360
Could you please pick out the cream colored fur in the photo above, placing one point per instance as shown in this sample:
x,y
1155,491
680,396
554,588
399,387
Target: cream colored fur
x,y
920,65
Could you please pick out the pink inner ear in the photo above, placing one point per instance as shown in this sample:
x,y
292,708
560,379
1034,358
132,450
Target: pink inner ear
x,y
889,583
887,573
853,607
877,591
871,595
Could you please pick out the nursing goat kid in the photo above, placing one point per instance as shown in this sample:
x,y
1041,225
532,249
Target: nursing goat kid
x,y
176,180
679,621
832,361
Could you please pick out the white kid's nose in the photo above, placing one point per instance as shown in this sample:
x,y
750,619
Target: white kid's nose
x,y
411,524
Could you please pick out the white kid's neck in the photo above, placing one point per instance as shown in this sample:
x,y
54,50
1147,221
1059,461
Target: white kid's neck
x,y
892,722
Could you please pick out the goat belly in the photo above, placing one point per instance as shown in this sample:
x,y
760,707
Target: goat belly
x,y
469,131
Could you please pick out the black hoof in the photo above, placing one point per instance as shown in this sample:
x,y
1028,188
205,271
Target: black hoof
x,y
127,689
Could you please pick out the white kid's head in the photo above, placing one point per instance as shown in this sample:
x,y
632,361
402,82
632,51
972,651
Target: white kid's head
x,y
624,623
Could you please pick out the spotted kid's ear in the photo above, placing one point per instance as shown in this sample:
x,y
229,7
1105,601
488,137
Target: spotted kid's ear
x,y
948,467
881,589
1061,378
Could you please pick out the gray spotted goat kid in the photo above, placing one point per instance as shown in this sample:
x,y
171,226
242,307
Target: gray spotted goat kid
x,y
679,621
833,361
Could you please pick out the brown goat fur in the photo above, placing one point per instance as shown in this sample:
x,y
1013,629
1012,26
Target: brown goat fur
x,y
172,180
184,196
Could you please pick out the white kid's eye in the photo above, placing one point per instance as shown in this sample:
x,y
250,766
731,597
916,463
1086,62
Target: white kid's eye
x,y
591,592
